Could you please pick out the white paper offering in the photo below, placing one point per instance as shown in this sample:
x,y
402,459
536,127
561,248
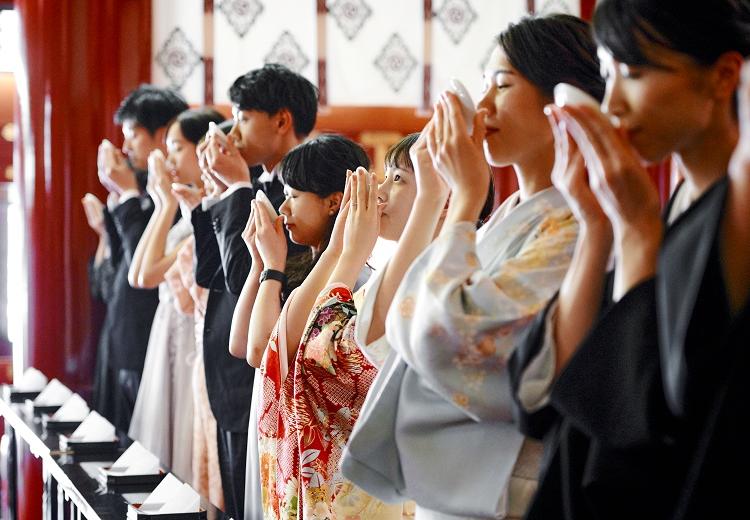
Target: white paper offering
x,y
173,497
75,409
31,381
136,460
54,394
94,428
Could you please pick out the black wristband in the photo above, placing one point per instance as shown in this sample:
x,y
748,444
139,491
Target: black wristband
x,y
273,274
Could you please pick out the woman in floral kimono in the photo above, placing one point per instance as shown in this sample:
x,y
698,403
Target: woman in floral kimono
x,y
437,427
314,174
332,375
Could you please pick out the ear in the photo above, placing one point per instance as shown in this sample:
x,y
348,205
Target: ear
x,y
284,121
727,74
333,202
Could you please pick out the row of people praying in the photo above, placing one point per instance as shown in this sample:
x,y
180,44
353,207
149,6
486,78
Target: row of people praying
x,y
574,353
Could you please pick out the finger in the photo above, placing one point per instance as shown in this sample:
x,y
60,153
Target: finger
x,y
743,96
480,127
431,141
445,123
347,188
455,119
263,219
372,199
355,190
250,221
600,136
279,225
361,189
438,118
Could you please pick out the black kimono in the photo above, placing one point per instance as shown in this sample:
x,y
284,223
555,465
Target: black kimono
x,y
614,448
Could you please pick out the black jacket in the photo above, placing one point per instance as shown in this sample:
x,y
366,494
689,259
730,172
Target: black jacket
x,y
129,311
222,265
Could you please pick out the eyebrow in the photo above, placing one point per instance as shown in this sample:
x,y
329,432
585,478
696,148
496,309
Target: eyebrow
x,y
500,71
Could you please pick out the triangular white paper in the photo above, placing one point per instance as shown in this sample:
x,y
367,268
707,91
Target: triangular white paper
x,y
94,428
74,409
54,394
32,380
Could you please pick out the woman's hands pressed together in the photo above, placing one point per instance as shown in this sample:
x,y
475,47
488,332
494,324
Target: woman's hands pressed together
x,y
269,238
624,192
459,158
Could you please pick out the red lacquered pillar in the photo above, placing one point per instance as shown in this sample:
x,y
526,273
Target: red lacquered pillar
x,y
78,59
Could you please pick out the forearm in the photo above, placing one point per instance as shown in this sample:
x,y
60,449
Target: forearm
x,y
637,252
267,311
347,269
417,235
304,299
156,259
581,292
465,206
238,335
102,250
134,273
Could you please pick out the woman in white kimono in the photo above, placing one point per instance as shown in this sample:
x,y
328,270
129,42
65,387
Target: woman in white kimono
x,y
437,425
163,415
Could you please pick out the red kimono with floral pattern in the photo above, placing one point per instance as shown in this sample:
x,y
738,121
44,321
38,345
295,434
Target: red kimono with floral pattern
x,y
307,414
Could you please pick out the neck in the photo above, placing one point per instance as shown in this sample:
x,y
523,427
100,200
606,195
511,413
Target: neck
x,y
289,141
706,158
534,174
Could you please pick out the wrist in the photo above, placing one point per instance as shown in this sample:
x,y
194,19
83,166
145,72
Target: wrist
x,y
641,240
275,265
596,231
466,207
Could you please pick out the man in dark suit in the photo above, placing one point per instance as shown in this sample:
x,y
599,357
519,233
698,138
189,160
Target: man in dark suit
x,y
274,109
144,115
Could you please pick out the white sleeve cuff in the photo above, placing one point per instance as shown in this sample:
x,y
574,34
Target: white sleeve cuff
x,y
234,187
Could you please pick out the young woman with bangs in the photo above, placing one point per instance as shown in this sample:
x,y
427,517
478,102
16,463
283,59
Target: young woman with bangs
x,y
632,382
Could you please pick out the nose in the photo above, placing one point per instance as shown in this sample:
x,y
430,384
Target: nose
x,y
384,190
485,101
614,104
284,208
127,146
234,133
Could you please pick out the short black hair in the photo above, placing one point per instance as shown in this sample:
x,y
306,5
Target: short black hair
x,y
552,49
398,156
274,87
194,123
703,31
319,165
150,107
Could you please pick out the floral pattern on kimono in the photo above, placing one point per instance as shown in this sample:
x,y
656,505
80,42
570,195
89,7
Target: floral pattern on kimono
x,y
331,380
277,442
320,399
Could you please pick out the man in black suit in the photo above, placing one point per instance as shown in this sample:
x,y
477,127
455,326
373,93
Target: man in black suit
x,y
144,115
274,110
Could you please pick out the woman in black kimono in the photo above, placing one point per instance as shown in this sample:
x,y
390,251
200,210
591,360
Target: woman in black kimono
x,y
621,426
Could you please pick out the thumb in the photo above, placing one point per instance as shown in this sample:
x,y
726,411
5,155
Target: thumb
x,y
230,147
480,127
279,224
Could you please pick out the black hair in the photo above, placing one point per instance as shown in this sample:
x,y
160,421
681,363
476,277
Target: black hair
x,y
319,165
552,49
274,87
150,107
700,30
194,123
397,155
